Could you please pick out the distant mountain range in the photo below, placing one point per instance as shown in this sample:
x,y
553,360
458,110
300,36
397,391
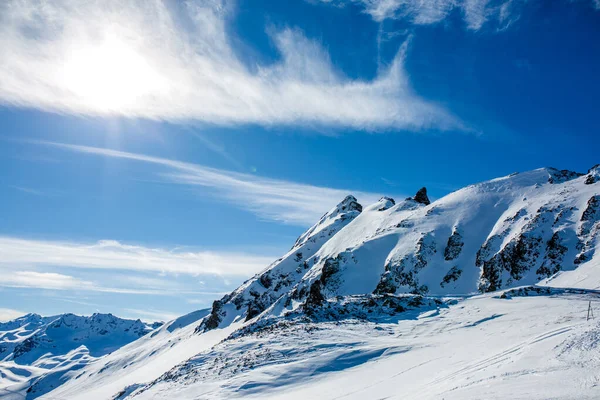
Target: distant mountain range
x,y
37,352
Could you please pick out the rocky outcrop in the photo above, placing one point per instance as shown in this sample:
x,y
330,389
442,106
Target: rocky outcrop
x,y
555,253
454,246
519,256
590,215
593,175
214,318
421,196
386,203
452,276
403,273
561,176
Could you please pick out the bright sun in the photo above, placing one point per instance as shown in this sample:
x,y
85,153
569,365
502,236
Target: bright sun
x,y
110,76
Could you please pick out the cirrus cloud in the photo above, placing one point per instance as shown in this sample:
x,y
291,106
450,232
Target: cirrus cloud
x,y
272,199
474,13
174,61
17,253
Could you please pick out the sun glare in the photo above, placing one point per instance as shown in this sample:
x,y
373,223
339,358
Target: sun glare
x,y
110,76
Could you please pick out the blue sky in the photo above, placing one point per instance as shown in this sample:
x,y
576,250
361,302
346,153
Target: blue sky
x,y
153,155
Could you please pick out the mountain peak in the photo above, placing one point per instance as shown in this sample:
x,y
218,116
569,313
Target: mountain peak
x,y
349,204
385,203
421,196
561,176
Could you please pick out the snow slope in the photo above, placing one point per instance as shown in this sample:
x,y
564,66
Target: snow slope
x,y
38,353
382,301
140,362
485,347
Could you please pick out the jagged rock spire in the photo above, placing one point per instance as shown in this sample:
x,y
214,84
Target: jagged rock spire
x,y
421,196
349,204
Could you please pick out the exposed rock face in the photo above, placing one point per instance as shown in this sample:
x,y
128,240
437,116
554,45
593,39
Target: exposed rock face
x,y
561,176
514,258
214,319
315,298
593,175
555,253
403,273
589,229
421,196
451,276
519,255
590,215
454,246
25,347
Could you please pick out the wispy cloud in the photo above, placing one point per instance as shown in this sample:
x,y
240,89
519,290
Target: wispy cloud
x,y
174,61
273,199
17,254
475,13
60,282
27,190
42,280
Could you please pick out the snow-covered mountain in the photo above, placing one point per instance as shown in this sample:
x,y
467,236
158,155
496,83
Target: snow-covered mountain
x,y
370,293
39,353
515,230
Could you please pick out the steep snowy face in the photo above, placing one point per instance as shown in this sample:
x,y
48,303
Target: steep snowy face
x,y
509,231
261,291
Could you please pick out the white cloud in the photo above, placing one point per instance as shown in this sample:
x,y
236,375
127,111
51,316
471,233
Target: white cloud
x,y
125,284
42,280
475,13
8,314
269,198
174,61
16,254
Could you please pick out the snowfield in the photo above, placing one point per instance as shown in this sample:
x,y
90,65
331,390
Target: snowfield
x,y
482,294
485,347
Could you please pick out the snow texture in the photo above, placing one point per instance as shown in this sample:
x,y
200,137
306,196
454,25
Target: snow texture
x,y
39,353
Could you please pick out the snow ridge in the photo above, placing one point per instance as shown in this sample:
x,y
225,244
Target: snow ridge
x,y
510,231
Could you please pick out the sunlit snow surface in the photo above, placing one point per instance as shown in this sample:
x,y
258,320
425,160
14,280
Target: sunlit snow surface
x,y
527,346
